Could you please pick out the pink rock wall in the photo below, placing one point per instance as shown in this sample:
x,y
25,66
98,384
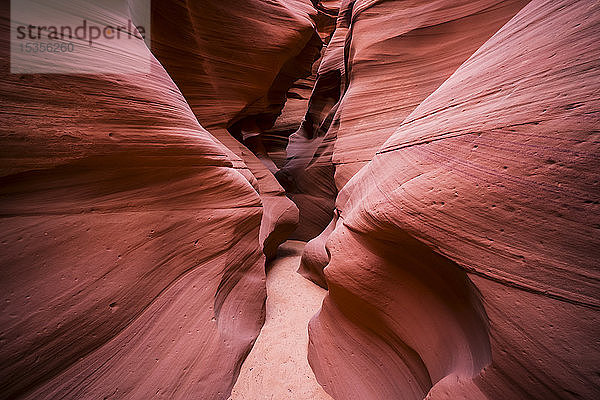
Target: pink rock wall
x,y
397,54
309,186
234,61
132,238
463,263
308,171
130,255
455,144
383,60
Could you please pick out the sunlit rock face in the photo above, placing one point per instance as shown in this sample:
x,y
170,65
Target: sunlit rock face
x,y
463,260
132,243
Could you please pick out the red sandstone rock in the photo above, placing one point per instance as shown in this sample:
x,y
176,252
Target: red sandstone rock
x,y
309,186
131,261
236,78
308,170
149,227
398,53
462,258
464,262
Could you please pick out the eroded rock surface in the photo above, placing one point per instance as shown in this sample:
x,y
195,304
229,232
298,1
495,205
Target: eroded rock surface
x,y
463,263
235,61
385,57
132,242
130,251
455,145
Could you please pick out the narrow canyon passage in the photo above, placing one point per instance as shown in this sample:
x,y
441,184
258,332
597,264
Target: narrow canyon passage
x,y
438,159
277,366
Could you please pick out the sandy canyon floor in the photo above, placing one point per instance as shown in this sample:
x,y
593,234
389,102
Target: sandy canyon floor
x,y
277,367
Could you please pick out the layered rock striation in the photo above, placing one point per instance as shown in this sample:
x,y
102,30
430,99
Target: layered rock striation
x,y
442,156
235,62
133,239
463,262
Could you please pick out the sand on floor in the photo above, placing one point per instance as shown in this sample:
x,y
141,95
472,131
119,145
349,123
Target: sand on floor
x,y
277,367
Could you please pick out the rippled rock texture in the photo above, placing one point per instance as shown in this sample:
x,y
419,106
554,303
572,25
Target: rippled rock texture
x,y
132,242
443,155
235,61
463,259
385,57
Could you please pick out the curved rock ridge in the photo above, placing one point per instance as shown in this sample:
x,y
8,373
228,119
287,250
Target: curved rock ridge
x,y
235,61
308,171
463,263
393,56
397,54
131,260
385,57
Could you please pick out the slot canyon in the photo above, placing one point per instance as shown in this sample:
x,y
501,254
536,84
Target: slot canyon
x,y
300,199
